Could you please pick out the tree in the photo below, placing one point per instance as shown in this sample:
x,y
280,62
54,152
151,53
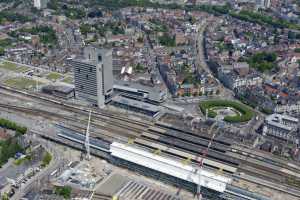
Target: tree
x,y
116,4
5,43
167,40
46,33
5,196
64,191
139,67
53,4
12,17
263,61
8,149
291,35
46,159
85,28
140,39
95,13
2,51
192,19
74,13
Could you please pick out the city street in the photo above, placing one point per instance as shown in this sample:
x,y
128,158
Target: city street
x,y
202,62
57,161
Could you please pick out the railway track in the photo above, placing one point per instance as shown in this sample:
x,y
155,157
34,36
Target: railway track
x,y
115,128
261,174
106,133
250,162
99,196
270,160
39,112
117,125
73,108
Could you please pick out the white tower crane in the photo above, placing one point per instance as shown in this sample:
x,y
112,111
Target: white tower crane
x,y
200,158
87,138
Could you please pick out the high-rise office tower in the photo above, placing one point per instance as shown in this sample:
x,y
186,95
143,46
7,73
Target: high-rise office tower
x,y
267,3
264,3
40,4
93,75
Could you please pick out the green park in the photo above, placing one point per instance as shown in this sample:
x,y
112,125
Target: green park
x,y
242,112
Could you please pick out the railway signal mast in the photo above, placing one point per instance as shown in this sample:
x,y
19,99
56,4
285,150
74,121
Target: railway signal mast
x,y
87,138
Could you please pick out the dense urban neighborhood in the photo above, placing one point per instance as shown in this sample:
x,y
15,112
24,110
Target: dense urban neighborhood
x,y
150,99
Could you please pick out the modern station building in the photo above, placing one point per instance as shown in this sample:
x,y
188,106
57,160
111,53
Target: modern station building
x,y
136,106
155,94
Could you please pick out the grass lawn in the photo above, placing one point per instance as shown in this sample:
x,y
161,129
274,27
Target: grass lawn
x,y
21,160
68,80
54,76
21,83
13,67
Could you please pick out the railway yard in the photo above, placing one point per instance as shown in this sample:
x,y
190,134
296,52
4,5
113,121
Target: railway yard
x,y
249,169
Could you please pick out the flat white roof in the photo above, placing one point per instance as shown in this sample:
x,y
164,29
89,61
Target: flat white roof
x,y
279,120
136,104
170,166
174,107
282,117
278,125
123,87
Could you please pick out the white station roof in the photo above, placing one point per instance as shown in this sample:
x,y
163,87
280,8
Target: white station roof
x,y
170,166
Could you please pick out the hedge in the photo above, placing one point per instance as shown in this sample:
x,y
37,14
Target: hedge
x,y
13,126
246,112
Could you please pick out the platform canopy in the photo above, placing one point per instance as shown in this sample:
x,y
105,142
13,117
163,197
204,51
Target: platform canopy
x,y
170,166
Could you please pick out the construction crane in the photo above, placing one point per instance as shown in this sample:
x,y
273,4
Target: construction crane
x,y
87,138
200,158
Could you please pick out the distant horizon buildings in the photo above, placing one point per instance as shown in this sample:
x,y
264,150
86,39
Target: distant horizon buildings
x,y
93,75
40,4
